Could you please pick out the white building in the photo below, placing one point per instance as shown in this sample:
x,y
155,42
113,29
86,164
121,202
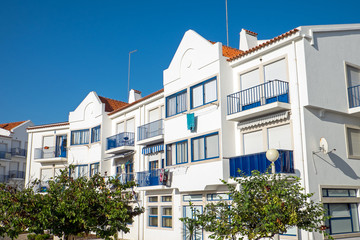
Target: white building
x,y
221,109
13,145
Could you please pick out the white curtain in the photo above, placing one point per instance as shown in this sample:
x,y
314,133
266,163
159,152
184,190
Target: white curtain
x,y
171,106
198,149
353,75
212,146
181,102
197,96
181,152
210,91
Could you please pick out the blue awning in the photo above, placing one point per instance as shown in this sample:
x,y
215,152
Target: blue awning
x,y
153,149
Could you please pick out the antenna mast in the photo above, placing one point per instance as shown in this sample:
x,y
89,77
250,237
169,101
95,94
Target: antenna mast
x,y
129,72
227,24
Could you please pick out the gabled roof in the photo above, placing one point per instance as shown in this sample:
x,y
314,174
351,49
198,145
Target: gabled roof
x,y
10,126
229,52
49,125
133,103
111,104
275,39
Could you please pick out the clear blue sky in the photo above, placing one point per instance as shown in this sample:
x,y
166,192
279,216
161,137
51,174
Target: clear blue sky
x,y
53,53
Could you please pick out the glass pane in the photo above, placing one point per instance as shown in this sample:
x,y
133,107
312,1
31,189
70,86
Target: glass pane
x,y
276,71
153,211
212,146
195,197
210,91
171,106
167,211
353,75
153,221
353,141
153,199
181,152
198,149
352,192
253,142
324,193
167,222
197,96
355,217
181,102
338,193
340,226
167,198
217,196
339,210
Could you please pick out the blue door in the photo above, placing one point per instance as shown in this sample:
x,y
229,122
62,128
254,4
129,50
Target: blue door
x,y
61,142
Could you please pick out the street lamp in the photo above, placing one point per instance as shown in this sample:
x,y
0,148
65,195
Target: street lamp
x,y
272,155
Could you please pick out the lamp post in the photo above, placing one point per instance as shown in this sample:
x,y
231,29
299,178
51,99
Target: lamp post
x,y
272,155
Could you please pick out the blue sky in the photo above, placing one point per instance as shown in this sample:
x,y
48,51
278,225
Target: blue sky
x,y
53,53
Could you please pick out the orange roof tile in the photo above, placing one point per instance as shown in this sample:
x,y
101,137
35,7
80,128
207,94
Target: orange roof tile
x,y
111,104
49,125
10,126
251,32
275,39
133,103
229,52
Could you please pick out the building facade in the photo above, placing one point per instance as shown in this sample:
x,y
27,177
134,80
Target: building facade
x,y
13,150
220,110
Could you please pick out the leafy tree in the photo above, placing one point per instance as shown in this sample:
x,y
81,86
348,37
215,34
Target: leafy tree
x,y
192,224
264,205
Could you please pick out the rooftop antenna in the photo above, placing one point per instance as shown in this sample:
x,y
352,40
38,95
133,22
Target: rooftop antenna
x,y
227,24
129,72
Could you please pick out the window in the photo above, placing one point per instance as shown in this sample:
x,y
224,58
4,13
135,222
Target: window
x,y
176,103
203,93
166,198
218,196
205,147
153,199
80,171
192,198
279,137
353,142
353,81
94,169
344,215
80,137
166,217
176,152
253,142
95,134
153,216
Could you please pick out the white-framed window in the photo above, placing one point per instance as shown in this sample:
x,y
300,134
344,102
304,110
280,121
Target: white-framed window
x,y
153,216
344,214
203,93
205,147
353,142
79,137
95,134
166,217
176,103
177,153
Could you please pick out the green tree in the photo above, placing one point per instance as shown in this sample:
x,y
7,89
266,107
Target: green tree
x,y
262,206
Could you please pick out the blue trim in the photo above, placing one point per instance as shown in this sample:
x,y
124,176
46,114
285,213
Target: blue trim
x,y
348,192
203,93
152,149
82,141
342,218
176,95
162,222
192,200
176,153
205,146
91,166
95,134
166,196
210,196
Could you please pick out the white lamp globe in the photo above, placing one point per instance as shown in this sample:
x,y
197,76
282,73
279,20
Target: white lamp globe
x,y
272,155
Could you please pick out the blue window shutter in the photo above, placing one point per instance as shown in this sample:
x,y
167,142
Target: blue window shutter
x,y
190,121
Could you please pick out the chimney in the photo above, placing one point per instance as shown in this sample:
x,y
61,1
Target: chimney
x,y
134,95
248,40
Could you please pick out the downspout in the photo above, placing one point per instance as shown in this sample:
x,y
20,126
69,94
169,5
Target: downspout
x,y
305,181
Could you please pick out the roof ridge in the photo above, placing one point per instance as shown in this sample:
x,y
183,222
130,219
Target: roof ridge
x,y
111,99
11,125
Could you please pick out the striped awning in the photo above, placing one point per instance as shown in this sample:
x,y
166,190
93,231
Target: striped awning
x,y
153,149
264,120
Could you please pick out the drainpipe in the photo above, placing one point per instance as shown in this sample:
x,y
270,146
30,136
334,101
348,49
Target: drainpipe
x,y
303,152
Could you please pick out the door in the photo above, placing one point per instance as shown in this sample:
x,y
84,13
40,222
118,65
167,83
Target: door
x,y
48,147
198,234
61,142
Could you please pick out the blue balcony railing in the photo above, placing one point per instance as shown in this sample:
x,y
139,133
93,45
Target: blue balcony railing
x,y
120,140
150,130
151,178
354,96
50,152
126,177
257,161
5,155
269,92
18,152
16,174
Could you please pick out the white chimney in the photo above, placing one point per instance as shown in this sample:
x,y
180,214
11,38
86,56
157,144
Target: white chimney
x,y
134,95
248,40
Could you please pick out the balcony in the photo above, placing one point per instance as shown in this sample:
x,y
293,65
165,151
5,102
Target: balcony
x,y
119,143
126,177
354,100
5,155
258,161
151,133
16,174
269,97
50,154
151,178
18,152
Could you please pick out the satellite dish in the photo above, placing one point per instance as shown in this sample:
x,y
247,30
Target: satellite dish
x,y
324,146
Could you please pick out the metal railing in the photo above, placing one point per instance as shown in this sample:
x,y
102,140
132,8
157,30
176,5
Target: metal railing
x,y
151,178
120,140
16,174
126,177
18,152
4,178
5,155
271,91
50,152
354,96
257,161
150,130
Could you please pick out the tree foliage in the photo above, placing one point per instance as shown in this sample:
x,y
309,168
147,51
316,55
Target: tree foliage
x,y
262,206
71,207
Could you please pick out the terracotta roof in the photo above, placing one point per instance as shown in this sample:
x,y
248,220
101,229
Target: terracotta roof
x,y
229,52
133,103
111,104
275,39
10,126
49,125
251,33
137,91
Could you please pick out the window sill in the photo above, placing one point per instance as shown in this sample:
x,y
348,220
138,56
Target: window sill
x,y
345,235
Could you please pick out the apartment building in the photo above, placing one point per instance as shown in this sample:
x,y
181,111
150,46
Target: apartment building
x,y
220,110
13,148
